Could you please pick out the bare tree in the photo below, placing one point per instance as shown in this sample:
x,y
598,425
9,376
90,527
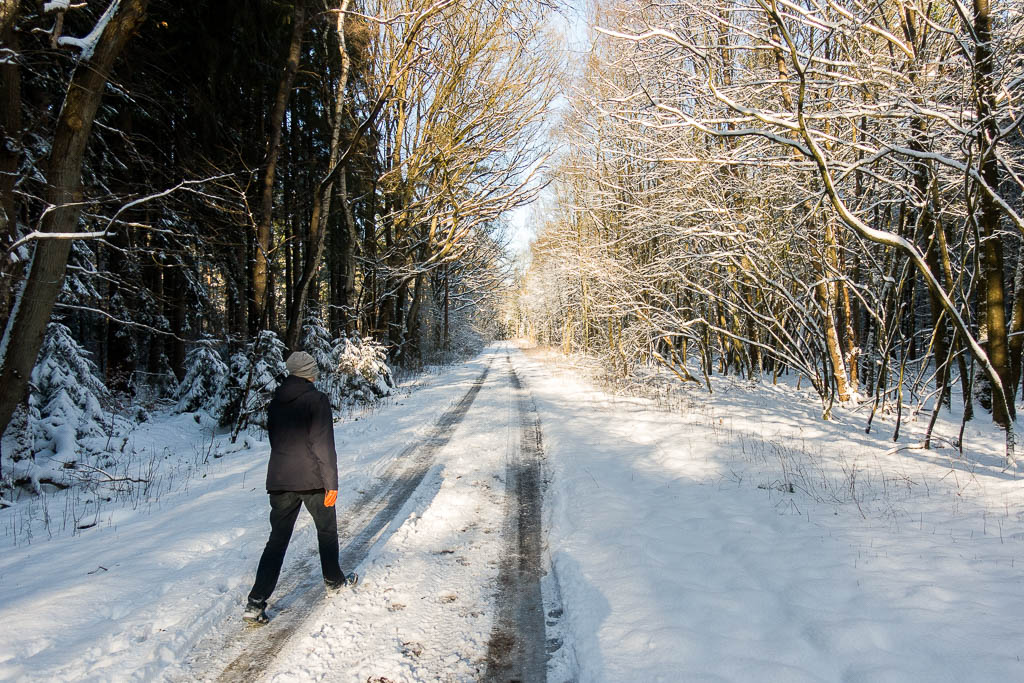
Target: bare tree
x,y
717,151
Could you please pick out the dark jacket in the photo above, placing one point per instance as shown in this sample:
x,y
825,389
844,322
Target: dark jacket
x,y
301,428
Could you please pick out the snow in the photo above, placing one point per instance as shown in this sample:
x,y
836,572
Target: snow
x,y
736,538
425,601
670,558
86,45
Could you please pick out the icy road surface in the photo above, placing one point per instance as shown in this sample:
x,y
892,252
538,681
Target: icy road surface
x,y
728,543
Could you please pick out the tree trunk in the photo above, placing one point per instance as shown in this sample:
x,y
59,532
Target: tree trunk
x,y
321,200
941,352
234,292
988,220
179,317
386,284
370,294
348,251
156,274
413,341
8,13
259,305
959,347
10,151
995,315
347,301
447,333
851,351
1016,341
26,326
827,300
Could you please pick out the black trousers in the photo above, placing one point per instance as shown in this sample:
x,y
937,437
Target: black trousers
x,y
284,510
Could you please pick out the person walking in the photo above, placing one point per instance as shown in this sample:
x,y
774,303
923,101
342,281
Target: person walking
x,y
303,470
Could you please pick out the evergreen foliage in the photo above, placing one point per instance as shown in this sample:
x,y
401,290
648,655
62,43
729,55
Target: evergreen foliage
x,y
205,382
67,419
359,372
253,374
316,341
65,401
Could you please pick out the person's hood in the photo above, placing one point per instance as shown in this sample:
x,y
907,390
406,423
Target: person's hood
x,y
292,388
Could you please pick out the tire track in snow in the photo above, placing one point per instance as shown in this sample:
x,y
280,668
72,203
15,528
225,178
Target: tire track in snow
x,y
370,517
517,647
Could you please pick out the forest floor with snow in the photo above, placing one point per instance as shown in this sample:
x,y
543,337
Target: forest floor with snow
x,y
727,537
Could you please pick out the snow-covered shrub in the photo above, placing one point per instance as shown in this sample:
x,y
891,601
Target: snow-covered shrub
x,y
470,331
316,341
65,400
66,421
253,375
17,444
205,381
359,372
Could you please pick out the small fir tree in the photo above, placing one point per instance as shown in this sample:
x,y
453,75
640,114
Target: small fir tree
x,y
204,385
253,376
360,373
316,341
65,402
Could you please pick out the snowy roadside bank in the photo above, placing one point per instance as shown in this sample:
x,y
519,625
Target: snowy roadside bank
x,y
130,597
681,553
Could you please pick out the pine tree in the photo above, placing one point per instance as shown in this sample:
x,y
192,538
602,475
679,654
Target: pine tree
x,y
360,373
316,341
253,376
204,385
65,410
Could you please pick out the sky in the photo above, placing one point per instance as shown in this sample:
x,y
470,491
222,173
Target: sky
x,y
572,21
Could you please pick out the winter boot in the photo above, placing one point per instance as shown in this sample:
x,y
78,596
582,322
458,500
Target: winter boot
x,y
349,581
255,613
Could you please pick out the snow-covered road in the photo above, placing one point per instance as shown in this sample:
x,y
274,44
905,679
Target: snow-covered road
x,y
363,525
715,545
427,607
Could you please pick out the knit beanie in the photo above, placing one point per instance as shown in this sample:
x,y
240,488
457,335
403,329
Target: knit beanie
x,y
301,364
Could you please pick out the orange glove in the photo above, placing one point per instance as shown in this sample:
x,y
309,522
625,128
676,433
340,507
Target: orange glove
x,y
329,498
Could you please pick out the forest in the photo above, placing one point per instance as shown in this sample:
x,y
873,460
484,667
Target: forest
x,y
191,190
824,190
765,187
648,340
